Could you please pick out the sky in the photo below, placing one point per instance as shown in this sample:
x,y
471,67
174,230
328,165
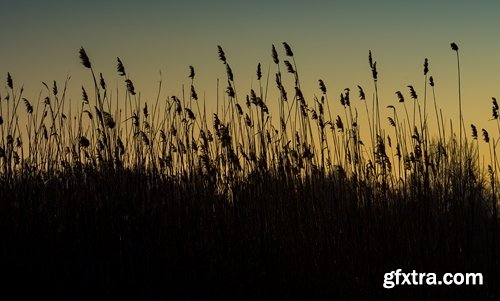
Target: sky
x,y
330,39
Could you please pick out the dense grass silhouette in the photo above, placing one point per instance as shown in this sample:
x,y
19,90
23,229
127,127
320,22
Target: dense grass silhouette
x,y
166,200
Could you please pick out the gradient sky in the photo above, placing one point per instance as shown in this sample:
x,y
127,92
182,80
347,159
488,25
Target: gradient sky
x,y
330,39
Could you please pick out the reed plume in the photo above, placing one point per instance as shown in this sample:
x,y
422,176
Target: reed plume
x,y
84,58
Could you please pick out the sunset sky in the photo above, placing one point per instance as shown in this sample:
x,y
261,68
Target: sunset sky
x,y
330,39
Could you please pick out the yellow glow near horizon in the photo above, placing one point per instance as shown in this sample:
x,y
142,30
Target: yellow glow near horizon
x,y
330,42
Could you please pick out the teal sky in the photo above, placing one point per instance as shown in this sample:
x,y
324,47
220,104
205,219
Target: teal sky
x,y
40,42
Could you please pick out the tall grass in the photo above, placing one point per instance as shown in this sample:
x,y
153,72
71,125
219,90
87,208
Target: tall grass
x,y
124,197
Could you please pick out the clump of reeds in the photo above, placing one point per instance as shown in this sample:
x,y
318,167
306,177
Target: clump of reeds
x,y
244,173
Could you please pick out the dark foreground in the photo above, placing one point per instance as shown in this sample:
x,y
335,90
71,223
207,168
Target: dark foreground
x,y
104,235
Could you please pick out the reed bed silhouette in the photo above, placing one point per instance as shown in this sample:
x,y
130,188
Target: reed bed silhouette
x,y
178,199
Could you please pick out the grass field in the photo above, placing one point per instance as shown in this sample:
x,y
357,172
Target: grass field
x,y
258,198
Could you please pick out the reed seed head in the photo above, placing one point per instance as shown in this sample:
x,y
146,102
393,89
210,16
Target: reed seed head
x,y
391,121
454,46
135,119
374,71
222,56
130,86
400,96
54,88
361,93
253,96
102,82
191,72
84,58
239,109
346,97
322,86
108,120
259,72
426,66
474,131
120,68
193,93
275,55
314,115
29,107
373,65
289,67
145,110
495,108
413,94
288,50
486,137
339,124
190,114
494,113
9,81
